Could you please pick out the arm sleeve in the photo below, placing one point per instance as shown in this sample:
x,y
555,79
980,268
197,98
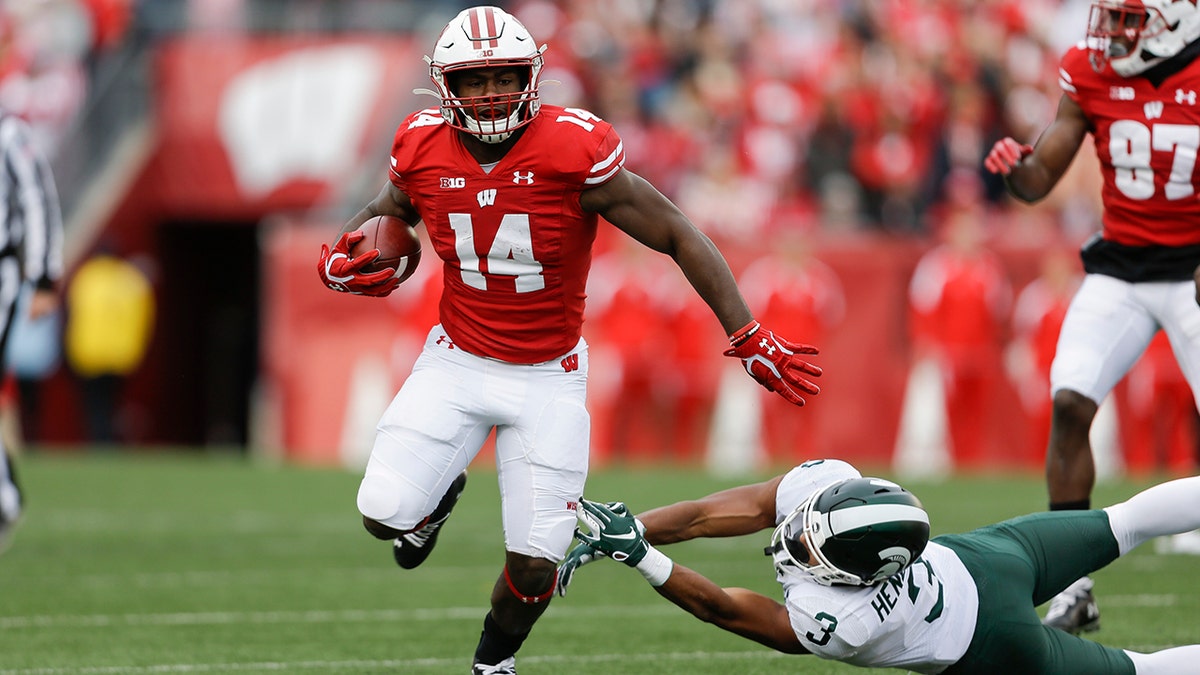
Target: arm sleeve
x,y
33,220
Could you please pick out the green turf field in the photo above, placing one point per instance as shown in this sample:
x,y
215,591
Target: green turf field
x,y
184,563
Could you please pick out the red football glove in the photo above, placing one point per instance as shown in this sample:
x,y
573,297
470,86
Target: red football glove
x,y
773,362
342,273
1005,154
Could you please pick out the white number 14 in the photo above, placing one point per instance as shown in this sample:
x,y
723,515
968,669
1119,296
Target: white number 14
x,y
511,253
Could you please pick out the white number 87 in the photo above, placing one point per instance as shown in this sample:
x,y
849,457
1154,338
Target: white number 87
x,y
1130,144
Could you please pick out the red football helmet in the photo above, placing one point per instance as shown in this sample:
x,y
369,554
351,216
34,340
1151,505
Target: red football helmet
x,y
1134,35
486,37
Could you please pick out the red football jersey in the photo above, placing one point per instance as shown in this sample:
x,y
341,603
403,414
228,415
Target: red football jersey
x,y
1147,139
515,244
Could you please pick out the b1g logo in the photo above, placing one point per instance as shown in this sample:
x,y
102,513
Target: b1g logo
x,y
453,183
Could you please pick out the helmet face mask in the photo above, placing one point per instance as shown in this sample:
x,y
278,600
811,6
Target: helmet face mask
x,y
486,38
854,532
1131,36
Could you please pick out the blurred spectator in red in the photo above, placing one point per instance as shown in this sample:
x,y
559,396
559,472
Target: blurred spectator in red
x,y
725,202
1158,414
960,298
796,290
630,408
1037,317
687,380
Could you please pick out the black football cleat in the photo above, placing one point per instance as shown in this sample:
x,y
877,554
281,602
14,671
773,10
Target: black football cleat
x,y
410,550
1074,610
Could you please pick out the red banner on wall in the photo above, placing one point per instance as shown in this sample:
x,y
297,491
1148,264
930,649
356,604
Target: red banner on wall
x,y
273,123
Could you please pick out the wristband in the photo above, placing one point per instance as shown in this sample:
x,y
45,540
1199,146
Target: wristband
x,y
744,333
656,567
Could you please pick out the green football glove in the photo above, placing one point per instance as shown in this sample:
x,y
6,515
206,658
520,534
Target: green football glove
x,y
577,557
612,530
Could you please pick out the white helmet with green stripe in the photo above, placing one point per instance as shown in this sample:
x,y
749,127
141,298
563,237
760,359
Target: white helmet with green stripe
x,y
857,531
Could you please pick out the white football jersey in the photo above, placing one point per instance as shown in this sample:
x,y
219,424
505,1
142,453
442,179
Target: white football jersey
x,y
921,619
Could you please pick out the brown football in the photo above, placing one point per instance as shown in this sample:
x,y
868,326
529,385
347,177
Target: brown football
x,y
398,244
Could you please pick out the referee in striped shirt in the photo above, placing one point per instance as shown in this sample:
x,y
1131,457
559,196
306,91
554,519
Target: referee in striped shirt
x,y
31,243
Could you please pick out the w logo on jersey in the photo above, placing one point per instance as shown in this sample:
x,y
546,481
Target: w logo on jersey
x,y
1153,110
486,198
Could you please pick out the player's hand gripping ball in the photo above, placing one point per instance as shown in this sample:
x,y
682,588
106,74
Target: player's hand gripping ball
x,y
397,242
371,260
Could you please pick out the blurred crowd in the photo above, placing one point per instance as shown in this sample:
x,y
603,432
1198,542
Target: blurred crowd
x,y
854,114
48,51
754,115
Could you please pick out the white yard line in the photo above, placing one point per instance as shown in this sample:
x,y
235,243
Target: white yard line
x,y
377,615
401,664
305,616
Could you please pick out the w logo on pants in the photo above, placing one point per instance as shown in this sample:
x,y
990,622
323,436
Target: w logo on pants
x,y
570,363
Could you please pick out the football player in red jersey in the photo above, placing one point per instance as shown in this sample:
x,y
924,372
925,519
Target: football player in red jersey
x,y
511,192
1134,84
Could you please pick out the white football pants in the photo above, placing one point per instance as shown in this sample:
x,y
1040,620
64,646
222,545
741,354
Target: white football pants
x,y
441,417
1111,322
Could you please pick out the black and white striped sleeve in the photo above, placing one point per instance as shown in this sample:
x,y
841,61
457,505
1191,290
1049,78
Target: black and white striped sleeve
x,y
32,217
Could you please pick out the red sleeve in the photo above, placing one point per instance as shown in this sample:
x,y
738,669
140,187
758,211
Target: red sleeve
x,y
404,141
608,159
1075,72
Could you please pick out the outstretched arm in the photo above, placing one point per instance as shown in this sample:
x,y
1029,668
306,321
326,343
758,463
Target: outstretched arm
x,y
634,206
740,611
34,197
614,531
729,513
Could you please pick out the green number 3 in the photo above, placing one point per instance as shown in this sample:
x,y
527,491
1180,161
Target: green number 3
x,y
830,625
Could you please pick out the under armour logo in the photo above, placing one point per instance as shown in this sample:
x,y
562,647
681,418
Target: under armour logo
x,y
766,344
445,340
1188,96
523,178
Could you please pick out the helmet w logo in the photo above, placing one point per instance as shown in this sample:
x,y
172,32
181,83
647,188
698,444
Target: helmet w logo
x,y
483,27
